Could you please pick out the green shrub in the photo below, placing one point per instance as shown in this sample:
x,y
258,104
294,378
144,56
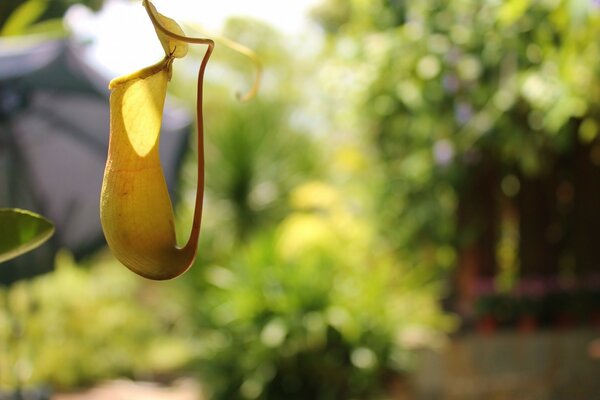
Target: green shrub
x,y
77,326
316,309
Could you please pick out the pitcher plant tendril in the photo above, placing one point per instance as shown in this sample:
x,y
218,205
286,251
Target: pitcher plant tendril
x,y
135,208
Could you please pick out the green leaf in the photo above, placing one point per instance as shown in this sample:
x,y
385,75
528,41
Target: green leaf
x,y
21,231
24,16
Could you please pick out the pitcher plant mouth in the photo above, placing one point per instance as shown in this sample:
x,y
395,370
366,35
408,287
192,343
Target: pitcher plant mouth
x,y
135,208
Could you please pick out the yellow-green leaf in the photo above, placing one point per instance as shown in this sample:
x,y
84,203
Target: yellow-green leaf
x,y
21,231
24,16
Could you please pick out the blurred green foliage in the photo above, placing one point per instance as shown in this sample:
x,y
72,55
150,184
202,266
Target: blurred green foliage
x,y
450,88
316,308
282,305
77,326
18,17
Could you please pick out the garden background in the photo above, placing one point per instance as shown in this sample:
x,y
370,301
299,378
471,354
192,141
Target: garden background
x,y
407,209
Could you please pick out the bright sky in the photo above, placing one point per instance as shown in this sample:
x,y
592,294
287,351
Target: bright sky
x,y
123,40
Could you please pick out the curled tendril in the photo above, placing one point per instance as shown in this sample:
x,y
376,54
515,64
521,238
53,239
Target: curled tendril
x,y
246,51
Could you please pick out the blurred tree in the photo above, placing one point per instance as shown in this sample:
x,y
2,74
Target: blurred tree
x,y
293,315
479,111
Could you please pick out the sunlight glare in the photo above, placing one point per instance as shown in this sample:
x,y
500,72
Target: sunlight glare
x,y
119,38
